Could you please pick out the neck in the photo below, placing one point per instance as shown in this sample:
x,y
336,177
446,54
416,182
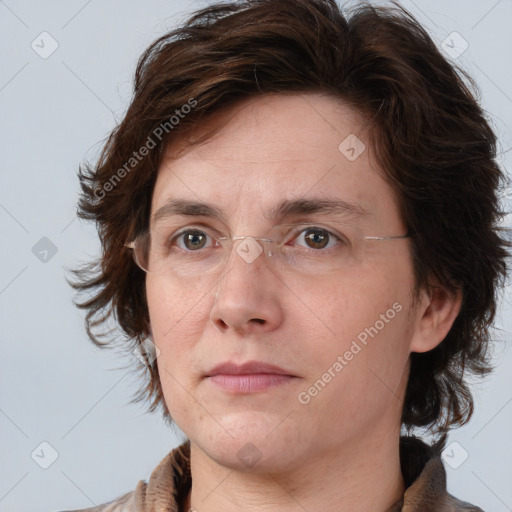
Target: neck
x,y
359,479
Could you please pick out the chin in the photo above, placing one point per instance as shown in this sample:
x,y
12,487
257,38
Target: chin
x,y
250,442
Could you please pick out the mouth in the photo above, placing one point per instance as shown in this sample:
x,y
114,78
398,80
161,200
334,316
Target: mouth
x,y
250,377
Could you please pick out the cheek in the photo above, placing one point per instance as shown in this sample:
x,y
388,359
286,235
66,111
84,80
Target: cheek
x,y
177,320
362,319
356,302
177,315
360,364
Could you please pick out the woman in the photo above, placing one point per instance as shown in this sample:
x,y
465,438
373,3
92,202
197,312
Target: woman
x,y
298,217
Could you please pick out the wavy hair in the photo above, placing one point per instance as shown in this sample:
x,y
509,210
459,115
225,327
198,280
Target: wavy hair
x,y
431,138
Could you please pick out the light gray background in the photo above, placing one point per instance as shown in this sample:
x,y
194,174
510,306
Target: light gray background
x,y
55,385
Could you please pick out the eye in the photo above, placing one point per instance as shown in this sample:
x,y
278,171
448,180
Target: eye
x,y
192,240
316,238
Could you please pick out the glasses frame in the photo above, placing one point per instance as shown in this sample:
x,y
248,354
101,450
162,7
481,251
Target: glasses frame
x,y
132,245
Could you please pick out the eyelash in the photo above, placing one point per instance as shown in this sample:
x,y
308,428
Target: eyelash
x,y
292,236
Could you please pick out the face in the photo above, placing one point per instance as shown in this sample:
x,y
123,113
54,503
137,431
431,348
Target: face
x,y
341,337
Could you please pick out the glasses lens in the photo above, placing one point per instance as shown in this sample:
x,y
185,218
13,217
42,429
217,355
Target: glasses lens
x,y
195,252
141,251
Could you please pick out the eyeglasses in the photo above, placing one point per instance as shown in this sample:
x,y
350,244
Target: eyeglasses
x,y
196,251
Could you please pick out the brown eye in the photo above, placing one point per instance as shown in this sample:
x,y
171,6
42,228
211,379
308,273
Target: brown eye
x,y
193,239
316,238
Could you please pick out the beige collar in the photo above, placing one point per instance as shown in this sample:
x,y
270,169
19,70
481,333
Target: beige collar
x,y
422,469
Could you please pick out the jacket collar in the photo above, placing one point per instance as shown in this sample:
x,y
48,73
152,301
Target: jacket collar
x,y
422,469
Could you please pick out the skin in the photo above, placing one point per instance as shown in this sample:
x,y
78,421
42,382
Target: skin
x,y
341,448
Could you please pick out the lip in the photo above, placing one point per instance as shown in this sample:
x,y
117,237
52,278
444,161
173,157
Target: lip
x,y
250,377
248,368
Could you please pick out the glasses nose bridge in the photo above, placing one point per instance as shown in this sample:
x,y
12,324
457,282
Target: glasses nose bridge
x,y
247,247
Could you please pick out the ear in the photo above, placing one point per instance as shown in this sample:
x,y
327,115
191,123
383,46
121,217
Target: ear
x,y
435,314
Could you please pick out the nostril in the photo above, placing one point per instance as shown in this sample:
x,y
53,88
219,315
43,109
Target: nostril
x,y
258,320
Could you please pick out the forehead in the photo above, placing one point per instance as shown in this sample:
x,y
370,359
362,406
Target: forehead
x,y
262,129
276,148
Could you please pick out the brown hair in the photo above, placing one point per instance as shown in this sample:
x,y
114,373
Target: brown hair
x,y
431,138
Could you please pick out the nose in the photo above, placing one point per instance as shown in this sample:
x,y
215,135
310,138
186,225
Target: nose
x,y
247,298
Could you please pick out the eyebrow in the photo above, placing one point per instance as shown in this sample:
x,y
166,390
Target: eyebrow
x,y
287,208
